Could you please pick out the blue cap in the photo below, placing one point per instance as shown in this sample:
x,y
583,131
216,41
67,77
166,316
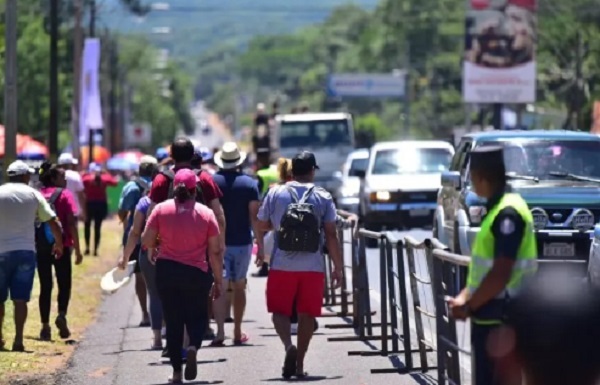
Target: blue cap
x,y
161,154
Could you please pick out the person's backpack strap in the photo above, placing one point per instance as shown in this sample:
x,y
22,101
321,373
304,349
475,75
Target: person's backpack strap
x,y
170,175
293,193
55,195
199,191
307,194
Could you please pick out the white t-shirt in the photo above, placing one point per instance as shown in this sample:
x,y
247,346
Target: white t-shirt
x,y
75,186
20,205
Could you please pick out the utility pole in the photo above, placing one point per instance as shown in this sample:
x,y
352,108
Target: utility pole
x,y
54,102
92,34
77,52
10,79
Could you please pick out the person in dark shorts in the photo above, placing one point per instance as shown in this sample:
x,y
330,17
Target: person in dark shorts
x,y
132,192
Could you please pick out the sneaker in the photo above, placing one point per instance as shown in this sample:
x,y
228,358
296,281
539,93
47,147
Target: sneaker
x,y
294,329
63,328
46,333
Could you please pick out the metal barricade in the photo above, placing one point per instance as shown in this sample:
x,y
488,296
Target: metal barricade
x,y
445,282
331,296
362,321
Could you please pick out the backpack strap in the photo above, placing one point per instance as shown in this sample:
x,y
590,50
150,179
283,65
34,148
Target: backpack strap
x,y
293,193
55,195
199,192
170,175
307,194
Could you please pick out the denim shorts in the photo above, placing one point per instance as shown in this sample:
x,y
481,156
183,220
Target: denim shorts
x,y
237,262
17,272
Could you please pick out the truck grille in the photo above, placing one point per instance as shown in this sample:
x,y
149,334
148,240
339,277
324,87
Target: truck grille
x,y
414,196
557,217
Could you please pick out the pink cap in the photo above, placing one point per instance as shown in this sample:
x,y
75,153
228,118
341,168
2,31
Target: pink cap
x,y
186,177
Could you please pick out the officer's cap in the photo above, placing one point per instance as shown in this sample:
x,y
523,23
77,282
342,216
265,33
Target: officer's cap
x,y
487,157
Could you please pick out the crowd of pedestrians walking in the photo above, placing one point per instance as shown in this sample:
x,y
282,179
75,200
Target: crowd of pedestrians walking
x,y
190,228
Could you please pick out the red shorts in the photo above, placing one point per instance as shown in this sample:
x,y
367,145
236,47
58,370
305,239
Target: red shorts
x,y
306,287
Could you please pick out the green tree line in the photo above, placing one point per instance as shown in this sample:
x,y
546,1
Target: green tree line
x,y
160,97
424,36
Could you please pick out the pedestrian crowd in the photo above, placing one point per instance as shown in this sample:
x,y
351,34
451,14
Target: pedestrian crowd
x,y
190,228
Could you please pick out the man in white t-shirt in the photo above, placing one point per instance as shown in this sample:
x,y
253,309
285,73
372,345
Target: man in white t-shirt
x,y
74,182
20,206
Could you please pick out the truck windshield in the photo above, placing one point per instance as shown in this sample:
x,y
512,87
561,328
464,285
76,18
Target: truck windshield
x,y
549,159
318,133
415,161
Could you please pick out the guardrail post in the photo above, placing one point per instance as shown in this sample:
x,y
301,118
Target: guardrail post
x,y
404,305
383,241
440,305
410,252
451,274
344,291
393,297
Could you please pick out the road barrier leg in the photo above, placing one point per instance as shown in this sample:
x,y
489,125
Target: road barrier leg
x,y
408,359
393,298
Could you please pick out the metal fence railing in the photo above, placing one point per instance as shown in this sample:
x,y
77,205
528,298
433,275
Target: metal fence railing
x,y
414,278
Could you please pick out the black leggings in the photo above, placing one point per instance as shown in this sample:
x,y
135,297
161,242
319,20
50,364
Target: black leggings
x,y
62,267
183,292
97,212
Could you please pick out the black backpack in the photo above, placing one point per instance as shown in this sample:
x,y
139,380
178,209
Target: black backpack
x,y
44,239
300,228
170,175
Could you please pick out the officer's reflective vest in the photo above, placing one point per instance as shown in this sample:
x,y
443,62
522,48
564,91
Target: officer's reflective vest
x,y
269,177
482,257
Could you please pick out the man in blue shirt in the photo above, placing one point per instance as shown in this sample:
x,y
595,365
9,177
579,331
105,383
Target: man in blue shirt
x,y
132,192
240,203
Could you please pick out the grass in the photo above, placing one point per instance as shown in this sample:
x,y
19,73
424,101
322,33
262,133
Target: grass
x,y
43,358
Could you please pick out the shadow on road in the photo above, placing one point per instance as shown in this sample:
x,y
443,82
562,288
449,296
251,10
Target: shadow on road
x,y
308,378
202,362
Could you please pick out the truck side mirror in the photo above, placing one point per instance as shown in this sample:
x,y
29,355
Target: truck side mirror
x,y
360,174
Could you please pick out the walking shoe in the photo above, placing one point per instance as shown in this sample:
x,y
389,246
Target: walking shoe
x,y
191,365
289,365
46,333
63,328
165,352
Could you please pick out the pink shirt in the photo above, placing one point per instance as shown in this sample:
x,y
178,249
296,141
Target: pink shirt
x,y
183,231
65,206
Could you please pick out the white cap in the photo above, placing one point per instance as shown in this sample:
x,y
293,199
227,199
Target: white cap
x,y
67,158
19,168
148,159
260,106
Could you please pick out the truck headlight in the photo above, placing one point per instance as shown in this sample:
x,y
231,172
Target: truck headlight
x,y
348,192
380,196
476,214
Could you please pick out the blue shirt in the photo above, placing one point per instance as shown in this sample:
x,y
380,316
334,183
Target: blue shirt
x,y
273,208
238,191
130,196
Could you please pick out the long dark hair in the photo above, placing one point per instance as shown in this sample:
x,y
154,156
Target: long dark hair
x,y
183,194
48,174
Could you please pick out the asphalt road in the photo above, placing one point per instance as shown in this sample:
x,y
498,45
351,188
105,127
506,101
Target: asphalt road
x,y
115,351
425,297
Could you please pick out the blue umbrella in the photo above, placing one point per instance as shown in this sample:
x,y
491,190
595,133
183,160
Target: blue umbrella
x,y
121,164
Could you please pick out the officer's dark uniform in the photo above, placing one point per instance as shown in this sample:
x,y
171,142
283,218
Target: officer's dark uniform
x,y
506,232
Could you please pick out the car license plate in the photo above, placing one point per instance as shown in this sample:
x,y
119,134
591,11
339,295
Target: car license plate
x,y
419,212
559,250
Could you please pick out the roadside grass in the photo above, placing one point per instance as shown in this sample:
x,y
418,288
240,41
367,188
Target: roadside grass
x,y
44,358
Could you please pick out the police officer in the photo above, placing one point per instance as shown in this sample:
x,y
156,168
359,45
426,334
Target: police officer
x,y
504,255
266,172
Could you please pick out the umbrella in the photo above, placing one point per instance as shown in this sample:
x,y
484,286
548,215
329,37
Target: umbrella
x,y
132,156
101,154
121,164
32,150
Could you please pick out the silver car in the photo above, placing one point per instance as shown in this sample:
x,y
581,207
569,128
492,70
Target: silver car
x,y
347,194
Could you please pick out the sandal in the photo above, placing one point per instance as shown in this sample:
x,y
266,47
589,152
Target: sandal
x,y
242,340
289,364
175,380
217,343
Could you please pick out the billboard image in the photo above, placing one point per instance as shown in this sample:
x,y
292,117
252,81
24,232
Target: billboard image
x,y
499,63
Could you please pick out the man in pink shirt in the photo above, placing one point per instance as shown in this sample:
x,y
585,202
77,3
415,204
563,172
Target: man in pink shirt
x,y
186,233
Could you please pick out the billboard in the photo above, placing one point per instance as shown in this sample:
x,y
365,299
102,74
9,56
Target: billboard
x,y
499,63
367,85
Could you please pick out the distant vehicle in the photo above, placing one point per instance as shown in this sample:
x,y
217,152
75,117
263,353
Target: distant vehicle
x,y
346,195
330,136
556,172
400,185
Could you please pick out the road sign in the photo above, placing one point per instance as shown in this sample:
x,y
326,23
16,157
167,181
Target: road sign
x,y
367,85
138,135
